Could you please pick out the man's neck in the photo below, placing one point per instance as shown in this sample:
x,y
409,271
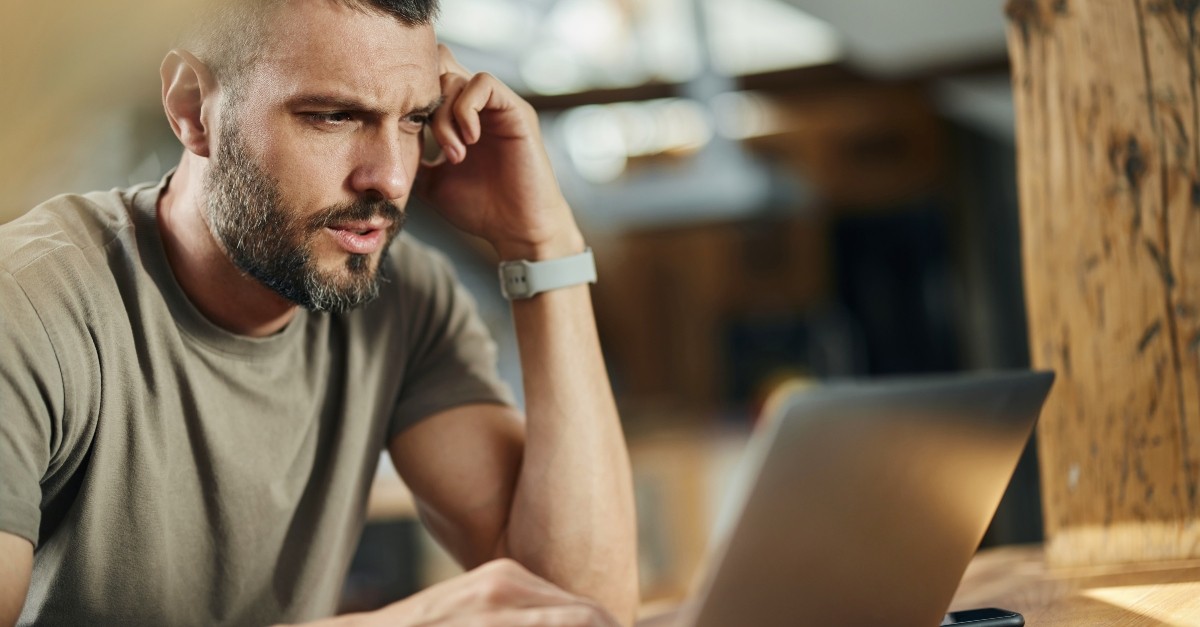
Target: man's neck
x,y
224,294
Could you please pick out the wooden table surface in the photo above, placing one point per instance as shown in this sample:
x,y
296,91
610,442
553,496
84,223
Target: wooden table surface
x,y
1016,578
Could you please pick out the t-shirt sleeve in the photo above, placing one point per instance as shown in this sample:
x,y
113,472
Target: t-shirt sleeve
x,y
452,360
30,387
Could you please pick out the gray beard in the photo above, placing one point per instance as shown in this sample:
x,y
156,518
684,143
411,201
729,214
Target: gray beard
x,y
246,213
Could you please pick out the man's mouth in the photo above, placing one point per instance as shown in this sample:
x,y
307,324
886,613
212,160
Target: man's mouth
x,y
360,237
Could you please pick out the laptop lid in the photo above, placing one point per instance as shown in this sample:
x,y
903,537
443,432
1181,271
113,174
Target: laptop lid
x,y
863,503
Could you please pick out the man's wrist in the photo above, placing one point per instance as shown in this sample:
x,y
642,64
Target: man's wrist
x,y
569,243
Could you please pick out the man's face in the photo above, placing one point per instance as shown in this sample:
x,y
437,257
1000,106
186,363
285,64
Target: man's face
x,y
316,155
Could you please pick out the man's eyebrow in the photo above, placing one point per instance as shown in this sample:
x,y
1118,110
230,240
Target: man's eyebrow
x,y
429,108
331,101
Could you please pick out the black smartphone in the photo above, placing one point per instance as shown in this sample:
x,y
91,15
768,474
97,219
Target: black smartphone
x,y
985,617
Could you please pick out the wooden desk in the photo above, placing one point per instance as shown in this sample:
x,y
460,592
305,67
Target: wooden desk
x,y
1016,578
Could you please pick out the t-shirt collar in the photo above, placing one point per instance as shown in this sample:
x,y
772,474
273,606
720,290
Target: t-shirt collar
x,y
187,317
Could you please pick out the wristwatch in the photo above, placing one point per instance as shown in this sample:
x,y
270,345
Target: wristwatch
x,y
522,279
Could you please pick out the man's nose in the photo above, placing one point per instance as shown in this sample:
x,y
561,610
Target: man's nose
x,y
387,163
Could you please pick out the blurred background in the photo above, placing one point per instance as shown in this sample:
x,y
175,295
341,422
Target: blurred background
x,y
778,192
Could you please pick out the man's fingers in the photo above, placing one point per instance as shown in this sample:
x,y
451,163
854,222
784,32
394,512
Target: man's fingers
x,y
454,78
457,123
474,98
444,126
485,93
464,97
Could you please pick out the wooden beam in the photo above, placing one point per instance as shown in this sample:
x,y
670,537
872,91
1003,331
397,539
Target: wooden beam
x,y
1108,143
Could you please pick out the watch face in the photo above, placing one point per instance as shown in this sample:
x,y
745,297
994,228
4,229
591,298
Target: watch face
x,y
514,279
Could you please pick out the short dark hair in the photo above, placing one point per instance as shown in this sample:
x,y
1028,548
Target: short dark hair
x,y
228,35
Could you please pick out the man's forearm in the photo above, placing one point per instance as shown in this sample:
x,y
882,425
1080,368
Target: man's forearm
x,y
572,519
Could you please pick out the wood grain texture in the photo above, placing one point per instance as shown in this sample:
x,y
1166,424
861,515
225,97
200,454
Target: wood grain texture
x,y
1016,578
1144,595
1108,123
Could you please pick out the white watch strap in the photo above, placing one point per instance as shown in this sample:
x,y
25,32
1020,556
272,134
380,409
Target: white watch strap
x,y
524,279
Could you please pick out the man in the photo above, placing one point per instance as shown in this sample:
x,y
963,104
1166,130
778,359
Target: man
x,y
197,377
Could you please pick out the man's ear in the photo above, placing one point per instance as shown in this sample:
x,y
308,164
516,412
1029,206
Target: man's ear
x,y
188,92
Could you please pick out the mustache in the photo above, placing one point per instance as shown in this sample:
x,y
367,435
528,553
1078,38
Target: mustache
x,y
360,211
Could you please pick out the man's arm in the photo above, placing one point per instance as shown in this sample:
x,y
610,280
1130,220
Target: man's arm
x,y
553,493
572,518
16,565
567,512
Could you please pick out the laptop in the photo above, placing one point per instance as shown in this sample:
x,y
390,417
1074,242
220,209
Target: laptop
x,y
861,504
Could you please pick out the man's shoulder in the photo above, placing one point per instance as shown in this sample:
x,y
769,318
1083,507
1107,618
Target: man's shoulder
x,y
63,255
69,229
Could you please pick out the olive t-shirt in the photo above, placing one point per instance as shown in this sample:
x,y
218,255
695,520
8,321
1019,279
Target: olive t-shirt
x,y
169,472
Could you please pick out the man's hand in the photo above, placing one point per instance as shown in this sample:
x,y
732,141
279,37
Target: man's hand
x,y
499,593
497,182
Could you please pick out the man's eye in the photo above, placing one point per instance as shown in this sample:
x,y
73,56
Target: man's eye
x,y
330,118
419,119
